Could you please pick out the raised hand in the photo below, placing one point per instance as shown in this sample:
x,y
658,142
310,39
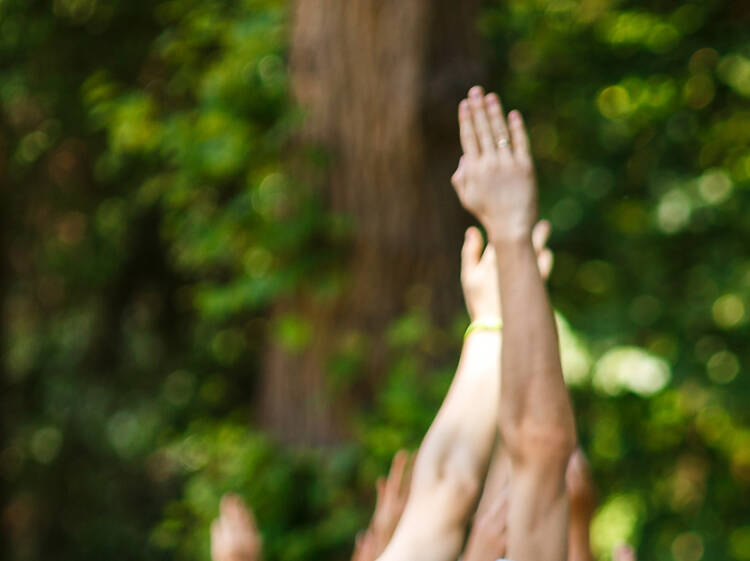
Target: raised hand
x,y
582,494
498,184
392,494
624,553
234,535
479,270
488,535
391,499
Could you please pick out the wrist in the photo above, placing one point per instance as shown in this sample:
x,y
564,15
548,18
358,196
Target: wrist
x,y
502,236
484,325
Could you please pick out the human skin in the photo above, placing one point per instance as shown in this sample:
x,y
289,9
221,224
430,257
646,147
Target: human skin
x,y
234,534
392,492
452,459
624,553
582,492
445,481
536,416
488,536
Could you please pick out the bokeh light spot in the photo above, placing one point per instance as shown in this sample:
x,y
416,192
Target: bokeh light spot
x,y
687,547
45,444
715,186
674,210
614,102
630,368
728,311
723,367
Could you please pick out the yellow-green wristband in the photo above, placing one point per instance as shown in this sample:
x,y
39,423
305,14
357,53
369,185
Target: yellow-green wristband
x,y
484,325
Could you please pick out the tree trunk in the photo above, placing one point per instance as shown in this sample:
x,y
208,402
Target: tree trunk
x,y
5,422
379,81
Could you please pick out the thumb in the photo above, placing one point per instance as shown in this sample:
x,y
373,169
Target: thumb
x,y
540,234
545,260
471,252
457,179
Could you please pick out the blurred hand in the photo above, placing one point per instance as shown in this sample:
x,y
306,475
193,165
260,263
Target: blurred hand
x,y
488,535
582,493
580,485
392,493
498,185
624,553
234,535
365,547
479,271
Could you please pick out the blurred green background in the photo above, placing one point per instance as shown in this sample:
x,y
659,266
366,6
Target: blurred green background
x,y
229,259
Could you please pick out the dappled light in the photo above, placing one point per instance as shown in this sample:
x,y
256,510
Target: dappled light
x,y
230,262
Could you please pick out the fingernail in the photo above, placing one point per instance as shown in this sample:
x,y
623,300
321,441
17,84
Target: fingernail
x,y
515,115
475,91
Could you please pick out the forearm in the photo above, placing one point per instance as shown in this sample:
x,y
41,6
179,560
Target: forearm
x,y
534,396
536,417
463,431
452,459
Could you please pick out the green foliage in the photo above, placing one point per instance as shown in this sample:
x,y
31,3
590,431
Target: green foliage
x,y
150,221
306,510
636,113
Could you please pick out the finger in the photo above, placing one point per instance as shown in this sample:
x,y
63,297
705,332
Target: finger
x,y
407,475
235,510
218,543
458,178
545,261
380,487
368,547
481,120
497,120
540,235
579,465
467,134
471,252
215,531
238,518
358,547
227,506
396,474
519,138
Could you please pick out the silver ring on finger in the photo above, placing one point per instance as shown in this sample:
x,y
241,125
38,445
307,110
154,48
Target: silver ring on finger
x,y
502,143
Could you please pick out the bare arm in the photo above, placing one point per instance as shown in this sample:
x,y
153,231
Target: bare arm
x,y
452,459
536,417
487,538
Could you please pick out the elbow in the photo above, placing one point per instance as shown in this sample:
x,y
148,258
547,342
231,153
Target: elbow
x,y
532,442
454,485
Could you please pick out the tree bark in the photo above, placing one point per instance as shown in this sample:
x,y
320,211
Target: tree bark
x,y
5,423
379,81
